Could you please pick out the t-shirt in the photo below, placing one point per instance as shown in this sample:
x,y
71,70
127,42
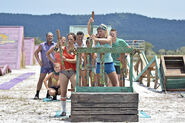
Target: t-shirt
x,y
68,56
119,43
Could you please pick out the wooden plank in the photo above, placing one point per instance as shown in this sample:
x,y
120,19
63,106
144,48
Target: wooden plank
x,y
105,50
80,69
105,111
104,104
104,89
104,118
104,97
151,63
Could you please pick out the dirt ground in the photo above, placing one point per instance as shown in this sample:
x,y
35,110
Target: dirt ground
x,y
17,104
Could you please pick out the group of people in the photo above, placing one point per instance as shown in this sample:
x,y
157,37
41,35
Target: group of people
x,y
62,68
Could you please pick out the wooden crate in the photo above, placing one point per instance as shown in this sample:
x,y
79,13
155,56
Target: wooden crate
x,y
104,106
172,69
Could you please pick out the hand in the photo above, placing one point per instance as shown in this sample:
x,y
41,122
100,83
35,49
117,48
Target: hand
x,y
40,63
94,38
91,20
63,58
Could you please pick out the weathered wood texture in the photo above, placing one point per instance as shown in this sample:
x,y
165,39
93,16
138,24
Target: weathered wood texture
x,y
146,72
107,106
29,50
12,46
172,69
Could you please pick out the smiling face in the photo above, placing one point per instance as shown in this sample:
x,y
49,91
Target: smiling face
x,y
49,37
62,41
71,38
57,67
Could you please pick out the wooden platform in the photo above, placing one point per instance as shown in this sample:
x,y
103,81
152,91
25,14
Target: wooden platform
x,y
172,69
104,106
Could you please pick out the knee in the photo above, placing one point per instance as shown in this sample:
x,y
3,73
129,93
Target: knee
x,y
52,92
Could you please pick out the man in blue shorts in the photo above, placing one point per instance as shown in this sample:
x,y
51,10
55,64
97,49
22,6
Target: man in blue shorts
x,y
44,62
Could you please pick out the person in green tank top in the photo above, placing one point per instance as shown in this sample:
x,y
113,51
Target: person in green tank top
x,y
117,42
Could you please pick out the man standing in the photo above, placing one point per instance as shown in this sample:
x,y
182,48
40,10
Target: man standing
x,y
79,39
117,42
44,62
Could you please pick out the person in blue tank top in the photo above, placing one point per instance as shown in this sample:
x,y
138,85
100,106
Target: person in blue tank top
x,y
44,62
102,39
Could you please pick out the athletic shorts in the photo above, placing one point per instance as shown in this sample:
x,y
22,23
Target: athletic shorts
x,y
108,67
68,73
46,69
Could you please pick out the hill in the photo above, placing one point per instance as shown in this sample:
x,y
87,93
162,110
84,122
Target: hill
x,y
162,33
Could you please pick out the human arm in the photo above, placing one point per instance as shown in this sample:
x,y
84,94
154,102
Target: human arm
x,y
48,55
36,53
107,40
46,79
69,60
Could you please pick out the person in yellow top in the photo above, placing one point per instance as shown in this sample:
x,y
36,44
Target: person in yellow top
x,y
54,90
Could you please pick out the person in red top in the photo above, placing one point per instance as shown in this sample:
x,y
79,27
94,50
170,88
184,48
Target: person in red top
x,y
68,71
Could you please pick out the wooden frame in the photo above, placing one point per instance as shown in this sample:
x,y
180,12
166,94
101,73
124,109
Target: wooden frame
x,y
173,72
102,51
146,72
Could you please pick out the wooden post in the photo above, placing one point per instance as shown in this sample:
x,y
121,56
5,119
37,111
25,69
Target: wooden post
x,y
156,78
58,43
148,77
122,70
85,69
102,69
80,69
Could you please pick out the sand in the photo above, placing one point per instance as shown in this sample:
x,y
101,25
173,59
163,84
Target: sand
x,y
17,104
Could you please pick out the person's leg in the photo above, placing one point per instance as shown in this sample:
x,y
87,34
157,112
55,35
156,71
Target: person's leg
x,y
73,80
39,84
111,72
63,88
52,91
113,78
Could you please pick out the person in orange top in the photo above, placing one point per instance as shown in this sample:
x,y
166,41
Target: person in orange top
x,y
69,71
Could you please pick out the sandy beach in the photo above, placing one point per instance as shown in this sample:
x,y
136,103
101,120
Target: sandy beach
x,y
17,104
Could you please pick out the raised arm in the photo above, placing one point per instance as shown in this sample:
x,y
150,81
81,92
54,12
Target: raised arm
x,y
36,53
91,20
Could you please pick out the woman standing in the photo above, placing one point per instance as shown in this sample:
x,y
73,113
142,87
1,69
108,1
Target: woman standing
x,y
103,40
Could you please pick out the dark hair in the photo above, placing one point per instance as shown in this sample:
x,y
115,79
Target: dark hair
x,y
87,39
113,30
79,33
74,36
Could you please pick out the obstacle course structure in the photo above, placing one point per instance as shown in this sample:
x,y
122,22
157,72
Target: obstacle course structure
x,y
29,50
12,46
172,69
108,104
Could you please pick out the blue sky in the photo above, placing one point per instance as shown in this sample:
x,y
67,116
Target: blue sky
x,y
170,9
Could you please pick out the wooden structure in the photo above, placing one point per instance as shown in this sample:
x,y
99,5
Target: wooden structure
x,y
5,69
153,65
12,46
172,69
29,50
110,104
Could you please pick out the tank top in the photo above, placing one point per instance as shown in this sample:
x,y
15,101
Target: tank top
x,y
107,56
68,56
